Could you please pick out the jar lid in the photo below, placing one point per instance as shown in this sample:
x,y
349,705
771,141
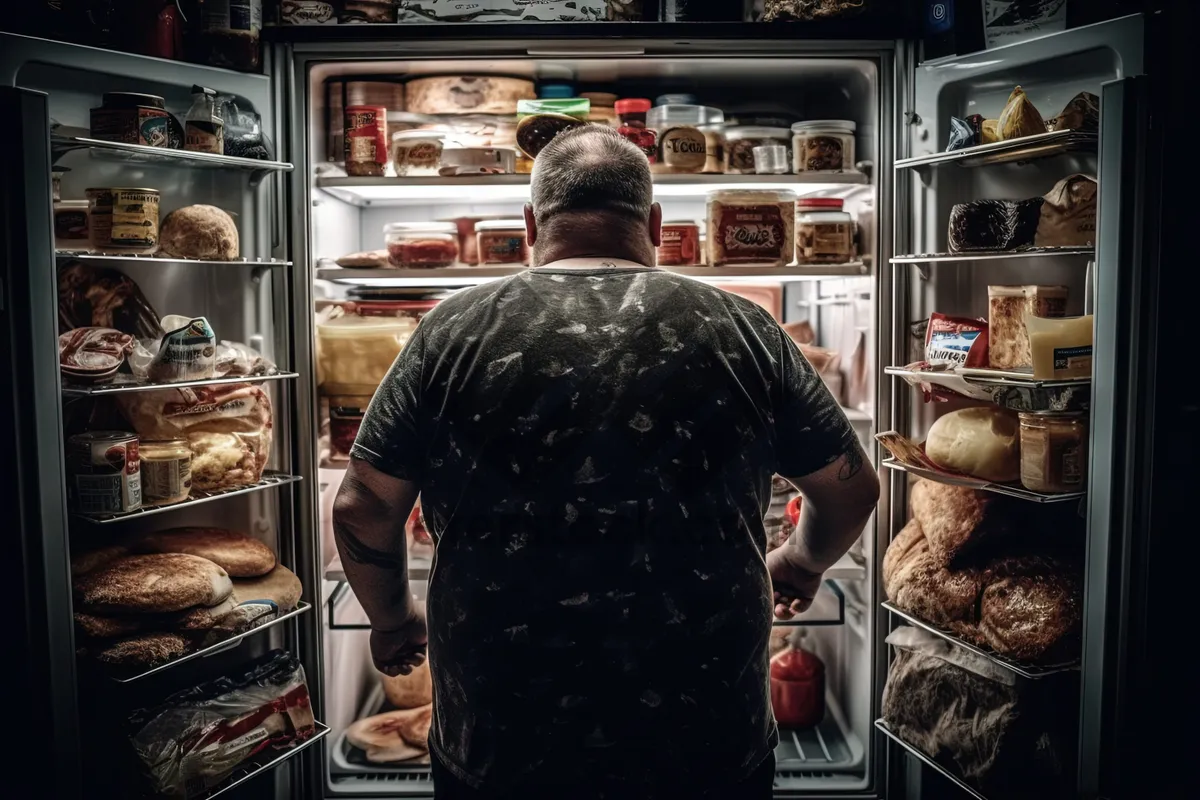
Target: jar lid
x,y
132,100
753,195
500,225
71,204
677,114
831,203
752,132
675,100
555,91
632,105
826,125
420,227
417,135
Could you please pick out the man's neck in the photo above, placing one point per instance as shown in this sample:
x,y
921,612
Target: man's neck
x,y
584,256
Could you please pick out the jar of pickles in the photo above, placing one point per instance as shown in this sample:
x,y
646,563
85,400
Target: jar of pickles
x,y
1054,452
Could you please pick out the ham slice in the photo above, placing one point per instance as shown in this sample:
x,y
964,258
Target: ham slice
x,y
394,735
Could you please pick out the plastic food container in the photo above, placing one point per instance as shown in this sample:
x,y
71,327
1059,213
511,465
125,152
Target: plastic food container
x,y
1053,451
824,232
680,244
417,153
682,146
359,347
477,161
577,107
823,146
417,245
502,241
751,226
345,418
740,143
770,159
166,471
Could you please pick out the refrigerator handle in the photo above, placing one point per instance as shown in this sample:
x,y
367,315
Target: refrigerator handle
x,y
34,496
1122,422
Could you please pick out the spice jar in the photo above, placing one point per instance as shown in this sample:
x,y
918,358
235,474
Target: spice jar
x,y
502,241
1053,451
345,418
365,143
416,153
166,471
682,147
740,142
632,112
680,244
824,232
823,146
421,244
751,226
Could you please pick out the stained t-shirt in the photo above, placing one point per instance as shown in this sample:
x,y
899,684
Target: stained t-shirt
x,y
594,449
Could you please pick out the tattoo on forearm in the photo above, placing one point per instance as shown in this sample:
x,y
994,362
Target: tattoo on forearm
x,y
853,465
360,553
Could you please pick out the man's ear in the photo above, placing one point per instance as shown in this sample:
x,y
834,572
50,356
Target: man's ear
x,y
530,226
656,224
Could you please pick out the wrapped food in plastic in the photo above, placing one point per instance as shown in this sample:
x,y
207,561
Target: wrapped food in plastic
x,y
103,298
193,741
186,352
1019,117
965,132
236,359
93,354
243,131
957,341
1082,114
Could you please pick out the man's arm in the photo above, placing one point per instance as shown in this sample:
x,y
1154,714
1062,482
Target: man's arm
x,y
838,501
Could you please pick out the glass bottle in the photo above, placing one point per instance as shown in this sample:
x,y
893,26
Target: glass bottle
x,y
204,130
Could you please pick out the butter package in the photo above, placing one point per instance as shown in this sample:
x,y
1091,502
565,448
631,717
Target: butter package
x,y
1061,348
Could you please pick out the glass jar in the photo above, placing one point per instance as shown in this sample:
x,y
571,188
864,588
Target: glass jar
x,y
714,149
345,417
1053,451
632,126
682,147
740,142
680,244
417,245
502,241
166,467
824,232
417,153
365,141
603,109
71,224
823,146
751,226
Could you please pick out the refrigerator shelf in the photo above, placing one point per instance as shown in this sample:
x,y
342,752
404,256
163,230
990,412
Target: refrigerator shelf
x,y
1020,151
264,762
211,650
418,569
469,276
929,762
1022,668
967,256
1009,390
142,154
974,483
270,479
63,256
134,385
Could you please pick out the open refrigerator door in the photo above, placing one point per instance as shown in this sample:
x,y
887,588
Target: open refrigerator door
x,y
430,205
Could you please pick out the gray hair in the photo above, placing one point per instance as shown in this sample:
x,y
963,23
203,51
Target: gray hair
x,y
594,169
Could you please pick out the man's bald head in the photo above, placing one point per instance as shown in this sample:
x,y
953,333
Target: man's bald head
x,y
590,183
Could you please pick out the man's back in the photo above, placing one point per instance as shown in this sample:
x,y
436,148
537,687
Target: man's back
x,y
594,449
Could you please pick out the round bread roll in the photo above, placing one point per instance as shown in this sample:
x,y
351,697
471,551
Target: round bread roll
x,y
199,231
147,650
236,553
193,620
85,562
982,442
280,586
152,584
412,690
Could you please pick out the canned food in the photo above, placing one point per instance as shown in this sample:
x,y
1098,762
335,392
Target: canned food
x,y
123,220
105,472
366,145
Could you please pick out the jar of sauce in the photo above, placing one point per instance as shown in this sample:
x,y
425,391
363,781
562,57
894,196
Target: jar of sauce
x,y
824,232
680,244
502,241
345,417
415,245
632,112
1054,451
166,471
823,146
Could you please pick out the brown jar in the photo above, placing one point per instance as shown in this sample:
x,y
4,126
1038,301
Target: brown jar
x,y
1054,451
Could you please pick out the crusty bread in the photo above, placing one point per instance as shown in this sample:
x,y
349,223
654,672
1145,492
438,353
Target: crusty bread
x,y
412,690
280,586
152,584
982,442
89,560
98,626
199,231
235,552
192,620
958,520
145,650
1032,608
907,543
394,735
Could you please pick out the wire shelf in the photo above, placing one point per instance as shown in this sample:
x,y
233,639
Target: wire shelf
x,y
63,256
211,650
929,762
128,383
967,256
1013,391
143,154
1022,668
263,763
1023,150
270,480
975,483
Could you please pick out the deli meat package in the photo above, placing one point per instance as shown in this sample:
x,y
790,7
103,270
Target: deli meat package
x,y
196,738
228,428
103,298
1005,735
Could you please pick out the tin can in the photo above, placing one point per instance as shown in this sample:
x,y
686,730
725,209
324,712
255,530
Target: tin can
x,y
366,145
123,220
105,472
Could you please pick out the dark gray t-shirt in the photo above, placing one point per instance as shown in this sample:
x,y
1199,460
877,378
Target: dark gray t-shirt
x,y
594,450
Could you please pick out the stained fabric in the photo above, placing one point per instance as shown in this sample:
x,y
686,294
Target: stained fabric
x,y
595,449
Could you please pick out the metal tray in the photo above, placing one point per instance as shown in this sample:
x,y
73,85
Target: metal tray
x,y
968,256
975,483
67,256
265,762
929,762
1020,151
270,479
138,153
128,383
1010,390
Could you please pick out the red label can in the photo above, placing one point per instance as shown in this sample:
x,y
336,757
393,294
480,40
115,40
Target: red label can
x,y
680,244
365,145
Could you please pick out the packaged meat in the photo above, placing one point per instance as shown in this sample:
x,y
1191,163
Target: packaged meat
x,y
1082,115
92,355
1008,341
797,689
393,736
193,741
236,359
958,341
983,442
1019,118
103,298
1068,214
994,224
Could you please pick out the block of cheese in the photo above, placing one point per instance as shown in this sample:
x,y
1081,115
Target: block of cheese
x,y
1060,348
1008,342
467,94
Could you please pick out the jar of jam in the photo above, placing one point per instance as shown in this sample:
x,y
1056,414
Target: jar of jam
x,y
680,244
1054,452
632,112
415,245
502,241
345,417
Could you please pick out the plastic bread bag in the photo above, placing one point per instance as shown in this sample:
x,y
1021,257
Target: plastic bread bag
x,y
244,136
237,359
193,741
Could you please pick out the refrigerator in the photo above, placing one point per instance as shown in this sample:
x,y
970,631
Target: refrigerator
x,y
298,212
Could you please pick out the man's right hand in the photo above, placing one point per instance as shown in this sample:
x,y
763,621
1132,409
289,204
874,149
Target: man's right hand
x,y
399,651
794,580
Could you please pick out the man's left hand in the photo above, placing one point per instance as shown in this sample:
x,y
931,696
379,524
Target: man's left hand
x,y
399,651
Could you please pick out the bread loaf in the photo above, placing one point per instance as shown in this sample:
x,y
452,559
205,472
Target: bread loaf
x,y
143,651
412,690
958,521
1032,608
982,442
199,231
190,621
235,552
148,584
907,544
89,560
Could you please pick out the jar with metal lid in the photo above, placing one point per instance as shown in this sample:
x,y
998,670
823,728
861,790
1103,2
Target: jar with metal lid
x,y
1054,452
682,147
413,245
502,241
714,149
603,109
824,232
680,244
740,142
632,125
751,226
417,153
166,471
132,118
823,146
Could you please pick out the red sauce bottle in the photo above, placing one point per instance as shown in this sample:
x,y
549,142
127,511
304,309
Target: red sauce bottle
x,y
632,112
